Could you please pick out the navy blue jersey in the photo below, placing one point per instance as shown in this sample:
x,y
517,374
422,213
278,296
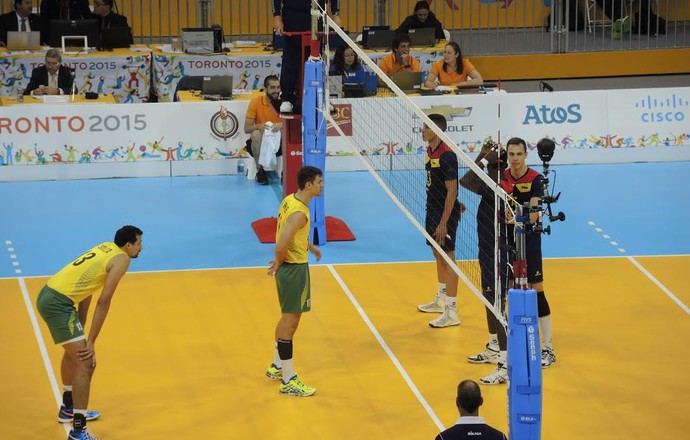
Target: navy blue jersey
x,y
441,166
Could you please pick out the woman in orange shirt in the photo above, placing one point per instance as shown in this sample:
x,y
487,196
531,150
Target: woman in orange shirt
x,y
453,70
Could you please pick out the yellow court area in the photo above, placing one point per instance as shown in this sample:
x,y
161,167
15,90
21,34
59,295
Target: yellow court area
x,y
183,354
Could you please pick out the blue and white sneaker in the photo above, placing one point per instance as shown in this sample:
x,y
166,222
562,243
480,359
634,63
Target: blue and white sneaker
x,y
66,414
80,435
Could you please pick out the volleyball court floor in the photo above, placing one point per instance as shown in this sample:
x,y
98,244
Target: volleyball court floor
x,y
189,333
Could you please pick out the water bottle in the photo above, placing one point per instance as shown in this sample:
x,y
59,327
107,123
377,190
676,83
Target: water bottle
x,y
20,96
240,167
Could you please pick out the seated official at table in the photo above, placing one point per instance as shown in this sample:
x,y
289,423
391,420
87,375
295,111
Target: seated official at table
x,y
453,70
400,60
62,10
21,19
262,109
346,63
52,78
103,10
422,18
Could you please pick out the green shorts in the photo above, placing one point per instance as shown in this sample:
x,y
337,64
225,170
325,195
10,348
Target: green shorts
x,y
294,292
59,313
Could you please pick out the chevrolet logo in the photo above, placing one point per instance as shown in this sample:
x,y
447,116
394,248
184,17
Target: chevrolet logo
x,y
449,111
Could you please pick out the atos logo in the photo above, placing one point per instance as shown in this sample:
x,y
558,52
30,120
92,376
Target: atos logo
x,y
671,109
556,115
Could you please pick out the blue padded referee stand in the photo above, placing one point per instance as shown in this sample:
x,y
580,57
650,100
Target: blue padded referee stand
x,y
524,366
314,140
524,352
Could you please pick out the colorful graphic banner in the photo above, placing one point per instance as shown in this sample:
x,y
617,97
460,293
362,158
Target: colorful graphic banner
x,y
627,125
126,77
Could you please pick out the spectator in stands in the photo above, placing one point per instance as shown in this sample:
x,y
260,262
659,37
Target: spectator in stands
x,y
453,70
295,16
52,78
62,10
347,63
400,60
422,18
21,20
470,425
262,109
103,11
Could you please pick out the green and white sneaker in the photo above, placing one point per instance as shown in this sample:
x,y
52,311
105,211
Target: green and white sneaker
x,y
274,372
296,387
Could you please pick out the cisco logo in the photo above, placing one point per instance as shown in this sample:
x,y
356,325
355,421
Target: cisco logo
x,y
663,110
552,115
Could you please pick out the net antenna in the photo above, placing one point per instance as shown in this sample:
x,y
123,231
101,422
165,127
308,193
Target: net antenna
x,y
386,139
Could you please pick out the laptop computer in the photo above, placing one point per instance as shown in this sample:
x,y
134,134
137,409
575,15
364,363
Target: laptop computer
x,y
23,40
219,86
422,37
367,29
116,37
408,81
380,39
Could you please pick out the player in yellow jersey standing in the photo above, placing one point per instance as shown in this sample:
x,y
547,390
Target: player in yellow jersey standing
x,y
291,270
101,267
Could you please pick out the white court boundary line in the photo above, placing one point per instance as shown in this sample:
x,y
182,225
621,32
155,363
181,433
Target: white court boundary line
x,y
388,350
42,348
639,266
658,283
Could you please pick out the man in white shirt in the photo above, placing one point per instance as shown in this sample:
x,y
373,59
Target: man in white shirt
x,y
21,19
52,78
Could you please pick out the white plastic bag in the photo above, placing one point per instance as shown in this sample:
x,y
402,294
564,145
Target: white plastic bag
x,y
270,144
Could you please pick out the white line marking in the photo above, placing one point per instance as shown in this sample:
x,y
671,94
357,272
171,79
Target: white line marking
x,y
598,229
606,236
13,257
613,243
9,249
591,223
660,286
8,242
387,349
621,250
17,271
42,347
15,263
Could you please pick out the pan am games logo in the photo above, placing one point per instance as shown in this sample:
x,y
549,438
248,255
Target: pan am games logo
x,y
224,124
657,109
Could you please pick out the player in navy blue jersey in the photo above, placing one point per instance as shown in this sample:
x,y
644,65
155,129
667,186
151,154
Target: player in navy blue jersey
x,y
443,212
526,185
295,16
487,214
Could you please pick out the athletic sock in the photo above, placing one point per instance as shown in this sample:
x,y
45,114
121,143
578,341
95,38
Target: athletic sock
x,y
67,396
285,352
545,324
276,357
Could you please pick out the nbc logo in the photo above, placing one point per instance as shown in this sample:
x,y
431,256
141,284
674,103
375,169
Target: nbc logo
x,y
670,109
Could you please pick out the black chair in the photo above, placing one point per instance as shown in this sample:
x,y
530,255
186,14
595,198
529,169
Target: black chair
x,y
189,83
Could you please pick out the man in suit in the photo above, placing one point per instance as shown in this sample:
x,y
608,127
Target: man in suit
x,y
20,20
62,10
103,10
52,78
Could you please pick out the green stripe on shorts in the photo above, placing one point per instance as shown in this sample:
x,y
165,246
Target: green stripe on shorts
x,y
59,313
294,292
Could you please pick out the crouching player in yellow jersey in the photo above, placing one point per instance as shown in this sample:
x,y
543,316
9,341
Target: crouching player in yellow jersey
x,y
101,267
291,270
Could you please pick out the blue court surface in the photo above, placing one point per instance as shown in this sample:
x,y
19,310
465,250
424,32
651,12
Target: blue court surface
x,y
204,222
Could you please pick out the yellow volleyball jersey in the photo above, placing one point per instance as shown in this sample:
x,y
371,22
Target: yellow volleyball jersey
x,y
299,246
82,277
